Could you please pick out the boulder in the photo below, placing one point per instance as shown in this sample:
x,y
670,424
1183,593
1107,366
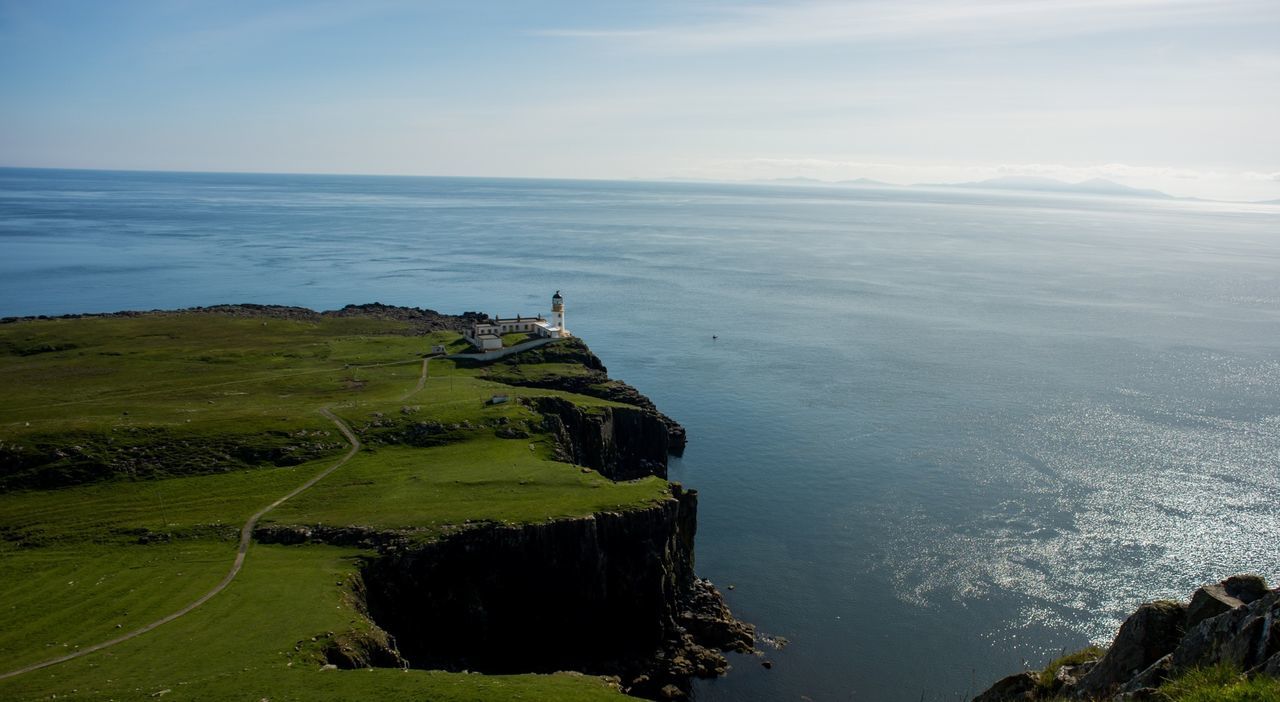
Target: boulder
x,y
1146,636
1151,678
1066,677
1014,688
1242,637
1146,694
1208,602
1212,600
1246,588
1271,667
1069,675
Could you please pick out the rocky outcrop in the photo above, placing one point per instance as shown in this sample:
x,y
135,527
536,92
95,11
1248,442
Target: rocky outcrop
x,y
622,443
1146,636
612,593
45,461
1234,592
359,647
594,381
1243,637
1230,623
1019,686
356,536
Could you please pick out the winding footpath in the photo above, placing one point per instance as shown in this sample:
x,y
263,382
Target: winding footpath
x,y
246,536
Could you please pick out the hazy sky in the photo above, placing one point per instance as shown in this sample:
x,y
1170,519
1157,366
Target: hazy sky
x,y
1180,95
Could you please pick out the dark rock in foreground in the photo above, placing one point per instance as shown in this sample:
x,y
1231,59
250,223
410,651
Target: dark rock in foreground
x,y
1231,623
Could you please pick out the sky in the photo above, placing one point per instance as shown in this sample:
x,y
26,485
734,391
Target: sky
x,y
1177,95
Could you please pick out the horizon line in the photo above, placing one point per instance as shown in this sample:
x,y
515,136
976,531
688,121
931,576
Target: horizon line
x,y
785,181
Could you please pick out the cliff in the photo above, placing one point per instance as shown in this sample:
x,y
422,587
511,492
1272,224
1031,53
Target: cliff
x,y
622,443
592,380
1231,625
476,549
612,593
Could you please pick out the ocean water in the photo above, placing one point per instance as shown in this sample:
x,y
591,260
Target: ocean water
x,y
940,434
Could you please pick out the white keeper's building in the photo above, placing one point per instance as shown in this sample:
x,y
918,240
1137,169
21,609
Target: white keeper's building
x,y
487,336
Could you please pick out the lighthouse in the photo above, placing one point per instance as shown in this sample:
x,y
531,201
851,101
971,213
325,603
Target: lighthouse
x,y
557,313
488,335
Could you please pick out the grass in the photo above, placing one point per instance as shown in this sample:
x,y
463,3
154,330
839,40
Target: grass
x,y
514,338
1050,672
59,599
253,643
163,433
487,479
1220,684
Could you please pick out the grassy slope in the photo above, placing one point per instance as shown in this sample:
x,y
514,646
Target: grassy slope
x,y
72,567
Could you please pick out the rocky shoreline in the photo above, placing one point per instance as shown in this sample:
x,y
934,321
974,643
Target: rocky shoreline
x,y
1232,623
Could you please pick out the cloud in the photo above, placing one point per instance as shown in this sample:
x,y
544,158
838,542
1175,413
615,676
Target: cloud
x,y
827,22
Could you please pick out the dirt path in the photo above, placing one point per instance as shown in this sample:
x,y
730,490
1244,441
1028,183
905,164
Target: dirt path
x,y
246,536
422,380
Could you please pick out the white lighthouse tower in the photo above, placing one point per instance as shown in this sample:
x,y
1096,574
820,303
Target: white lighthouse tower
x,y
557,314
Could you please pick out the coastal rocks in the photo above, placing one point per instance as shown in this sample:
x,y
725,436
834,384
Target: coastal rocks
x,y
1231,623
1242,637
604,594
1147,635
1016,687
1148,680
1212,600
706,617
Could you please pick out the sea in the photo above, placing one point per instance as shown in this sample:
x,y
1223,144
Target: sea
x,y
939,435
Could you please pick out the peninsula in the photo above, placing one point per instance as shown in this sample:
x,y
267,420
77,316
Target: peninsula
x,y
266,502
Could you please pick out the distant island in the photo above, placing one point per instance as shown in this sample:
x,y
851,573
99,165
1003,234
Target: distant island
x,y
268,502
1093,186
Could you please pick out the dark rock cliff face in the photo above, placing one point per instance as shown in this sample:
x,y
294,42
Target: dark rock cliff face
x,y
594,382
622,443
612,593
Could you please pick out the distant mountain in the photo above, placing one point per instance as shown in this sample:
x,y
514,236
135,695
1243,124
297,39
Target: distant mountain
x,y
802,180
866,182
1093,186
796,180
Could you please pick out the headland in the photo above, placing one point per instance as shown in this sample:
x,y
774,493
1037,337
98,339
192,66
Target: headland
x,y
264,500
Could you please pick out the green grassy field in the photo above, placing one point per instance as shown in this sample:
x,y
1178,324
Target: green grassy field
x,y
132,449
